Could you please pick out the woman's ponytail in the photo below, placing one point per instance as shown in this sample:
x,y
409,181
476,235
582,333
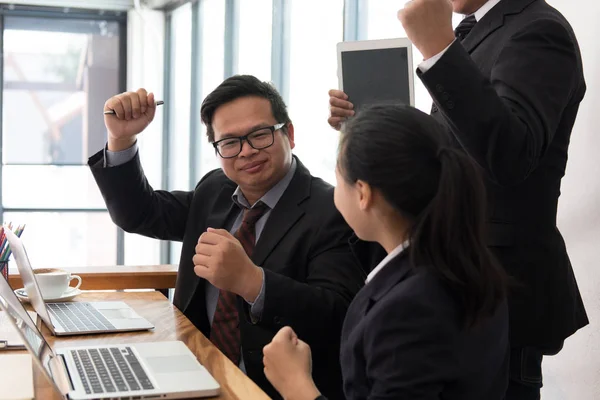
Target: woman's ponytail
x,y
450,236
408,157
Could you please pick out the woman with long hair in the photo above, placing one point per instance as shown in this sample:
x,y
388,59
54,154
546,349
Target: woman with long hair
x,y
431,321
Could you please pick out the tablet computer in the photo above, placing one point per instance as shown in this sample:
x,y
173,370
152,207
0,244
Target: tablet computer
x,y
376,71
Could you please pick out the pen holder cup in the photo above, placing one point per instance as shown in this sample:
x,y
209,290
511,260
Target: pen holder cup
x,y
4,269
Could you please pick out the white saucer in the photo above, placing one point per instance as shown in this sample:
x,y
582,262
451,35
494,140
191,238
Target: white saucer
x,y
69,295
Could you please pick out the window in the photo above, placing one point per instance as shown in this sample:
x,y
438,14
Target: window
x,y
212,67
178,172
67,239
58,72
313,71
145,68
255,27
180,98
49,186
55,85
382,23
213,44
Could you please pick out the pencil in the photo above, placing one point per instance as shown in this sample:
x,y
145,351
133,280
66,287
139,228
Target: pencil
x,y
6,253
112,112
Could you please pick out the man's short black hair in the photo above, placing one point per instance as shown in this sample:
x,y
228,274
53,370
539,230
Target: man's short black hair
x,y
241,86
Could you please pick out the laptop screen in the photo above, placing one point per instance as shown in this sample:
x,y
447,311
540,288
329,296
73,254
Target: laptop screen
x,y
27,276
32,337
14,310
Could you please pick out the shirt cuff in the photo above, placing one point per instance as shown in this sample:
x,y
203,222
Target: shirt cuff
x,y
430,62
116,158
256,307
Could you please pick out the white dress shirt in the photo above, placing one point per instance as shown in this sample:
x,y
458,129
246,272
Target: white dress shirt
x,y
393,254
430,62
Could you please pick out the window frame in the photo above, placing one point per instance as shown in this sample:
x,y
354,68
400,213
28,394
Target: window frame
x,y
56,14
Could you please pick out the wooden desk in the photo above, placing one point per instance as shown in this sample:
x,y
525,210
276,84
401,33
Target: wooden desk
x,y
116,277
170,324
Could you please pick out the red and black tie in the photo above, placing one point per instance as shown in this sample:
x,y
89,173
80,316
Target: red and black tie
x,y
225,330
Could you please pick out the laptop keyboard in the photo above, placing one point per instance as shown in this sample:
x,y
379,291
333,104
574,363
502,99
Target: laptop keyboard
x,y
109,370
79,317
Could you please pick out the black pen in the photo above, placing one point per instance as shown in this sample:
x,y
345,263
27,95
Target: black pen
x,y
158,103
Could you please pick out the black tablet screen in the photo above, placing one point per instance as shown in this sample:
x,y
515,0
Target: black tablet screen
x,y
376,76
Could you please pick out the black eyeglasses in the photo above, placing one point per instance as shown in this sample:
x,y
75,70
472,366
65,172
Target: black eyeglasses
x,y
258,139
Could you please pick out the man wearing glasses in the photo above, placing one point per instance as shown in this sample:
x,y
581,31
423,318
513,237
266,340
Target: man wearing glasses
x,y
263,245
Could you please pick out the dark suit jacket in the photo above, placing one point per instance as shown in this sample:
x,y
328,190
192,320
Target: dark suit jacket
x,y
311,274
510,94
403,339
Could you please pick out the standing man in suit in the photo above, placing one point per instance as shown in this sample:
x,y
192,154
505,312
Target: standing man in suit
x,y
263,245
507,84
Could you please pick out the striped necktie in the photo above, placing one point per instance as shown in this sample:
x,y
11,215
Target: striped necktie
x,y
225,329
465,26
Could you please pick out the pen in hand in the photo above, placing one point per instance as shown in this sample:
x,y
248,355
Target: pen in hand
x,y
112,112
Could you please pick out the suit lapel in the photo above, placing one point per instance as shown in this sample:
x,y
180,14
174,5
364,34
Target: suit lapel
x,y
396,270
223,208
493,20
285,215
222,211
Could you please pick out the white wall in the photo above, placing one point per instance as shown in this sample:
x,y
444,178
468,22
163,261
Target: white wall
x,y
575,372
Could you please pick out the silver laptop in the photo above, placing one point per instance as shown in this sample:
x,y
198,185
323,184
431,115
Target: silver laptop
x,y
74,318
165,370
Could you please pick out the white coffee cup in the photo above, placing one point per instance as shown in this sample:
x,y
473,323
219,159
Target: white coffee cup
x,y
54,282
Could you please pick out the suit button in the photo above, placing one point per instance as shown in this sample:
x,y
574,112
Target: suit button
x,y
277,320
439,88
445,95
450,104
